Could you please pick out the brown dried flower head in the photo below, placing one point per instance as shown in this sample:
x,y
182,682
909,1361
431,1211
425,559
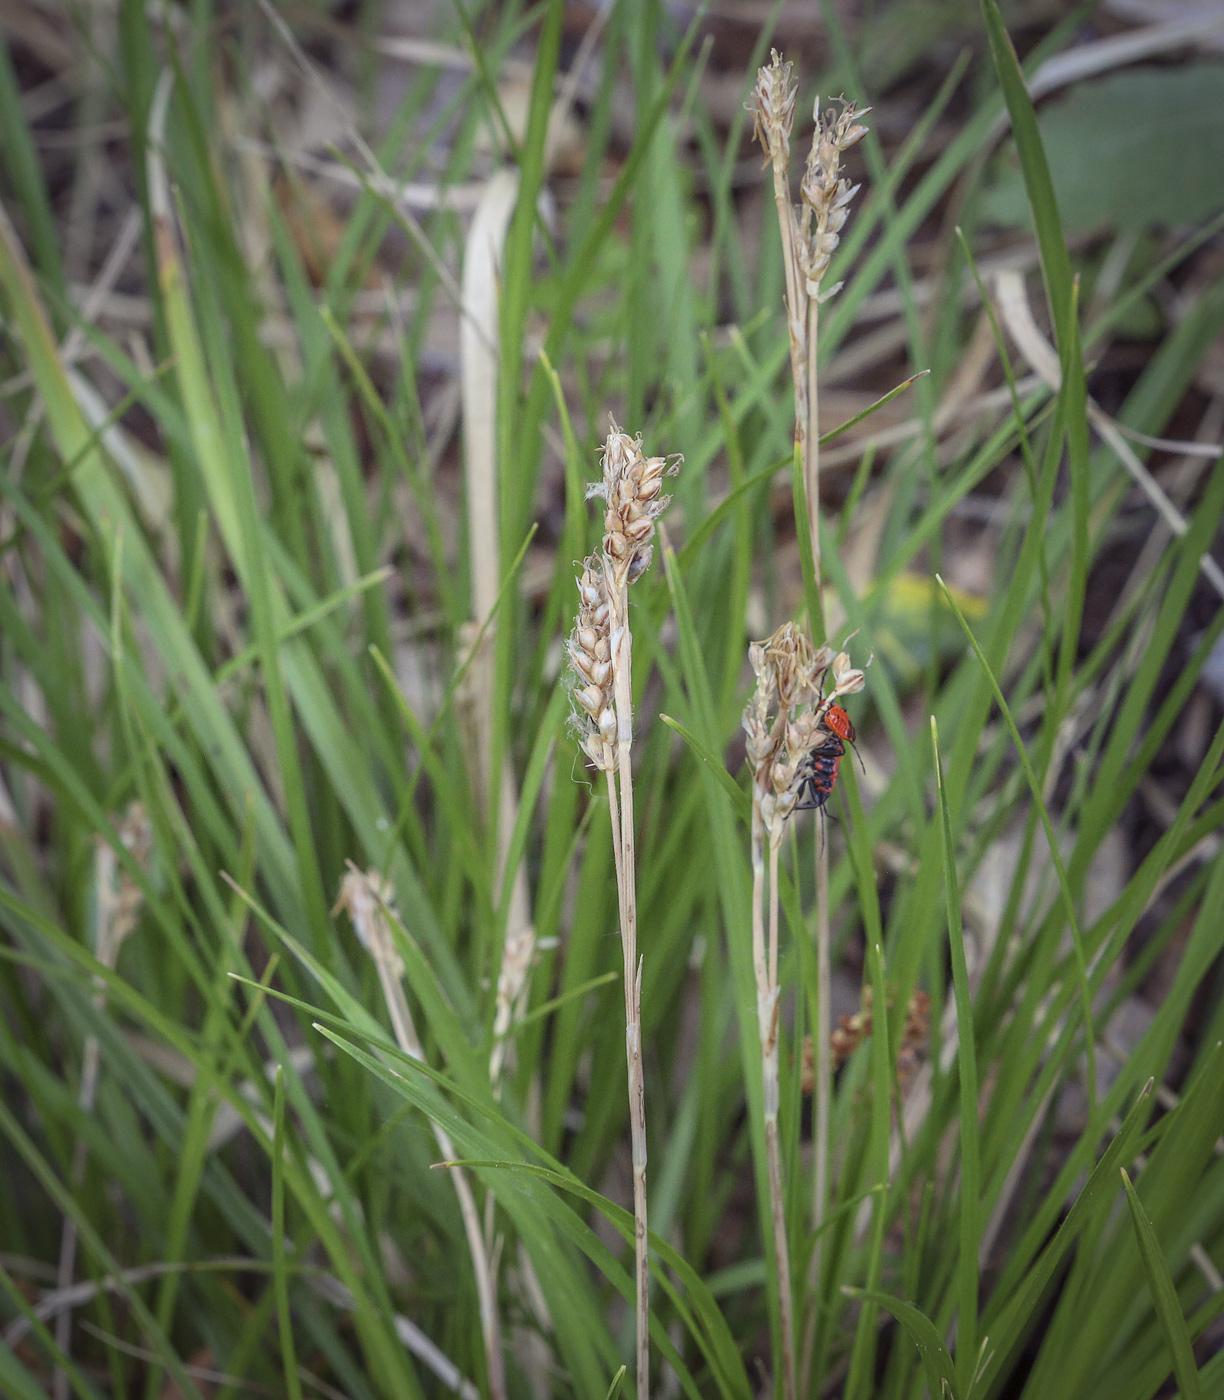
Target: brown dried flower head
x,y
847,679
852,1031
779,719
772,105
120,898
590,656
824,194
783,720
367,896
631,489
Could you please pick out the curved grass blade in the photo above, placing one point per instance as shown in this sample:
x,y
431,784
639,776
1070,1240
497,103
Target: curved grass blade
x,y
532,1208
1164,1294
733,1383
739,798
1055,261
1012,1321
940,1371
970,1224
845,427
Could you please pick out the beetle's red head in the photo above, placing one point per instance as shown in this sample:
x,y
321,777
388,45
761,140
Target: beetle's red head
x,y
838,721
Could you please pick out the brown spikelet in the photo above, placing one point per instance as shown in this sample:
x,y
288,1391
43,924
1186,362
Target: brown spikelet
x,y
630,487
825,196
852,1031
590,656
772,105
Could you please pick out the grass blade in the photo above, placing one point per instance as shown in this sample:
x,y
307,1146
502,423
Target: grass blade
x,y
280,1273
1164,1295
1055,261
937,1364
970,1187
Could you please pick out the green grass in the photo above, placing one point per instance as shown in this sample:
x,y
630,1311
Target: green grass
x,y
250,625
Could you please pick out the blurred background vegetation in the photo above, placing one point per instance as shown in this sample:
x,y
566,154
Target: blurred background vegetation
x,y
313,320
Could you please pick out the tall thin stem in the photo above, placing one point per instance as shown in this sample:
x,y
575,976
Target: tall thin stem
x,y
811,454
622,653
765,967
496,792
118,900
601,658
795,328
769,1058
785,725
482,1268
823,1087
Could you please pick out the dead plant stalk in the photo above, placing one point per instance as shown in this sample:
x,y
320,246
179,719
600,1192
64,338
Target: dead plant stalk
x,y
601,658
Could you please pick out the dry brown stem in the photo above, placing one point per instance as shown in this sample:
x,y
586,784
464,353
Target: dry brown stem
x,y
810,234
496,792
601,659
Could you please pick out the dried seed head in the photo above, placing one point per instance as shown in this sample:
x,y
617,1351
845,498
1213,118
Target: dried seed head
x,y
824,194
631,485
854,1030
120,899
590,655
847,679
772,105
367,897
784,718
630,488
779,719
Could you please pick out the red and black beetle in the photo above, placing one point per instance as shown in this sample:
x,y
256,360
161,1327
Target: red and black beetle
x,y
818,772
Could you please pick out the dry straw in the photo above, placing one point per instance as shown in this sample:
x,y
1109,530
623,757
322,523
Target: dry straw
x,y
601,654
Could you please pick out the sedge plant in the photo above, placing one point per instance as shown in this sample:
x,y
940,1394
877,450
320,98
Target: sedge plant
x,y
235,590
601,658
810,234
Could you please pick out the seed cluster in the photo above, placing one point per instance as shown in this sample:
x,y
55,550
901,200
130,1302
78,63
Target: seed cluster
x,y
631,488
590,653
816,225
826,197
367,896
783,718
772,107
120,898
631,485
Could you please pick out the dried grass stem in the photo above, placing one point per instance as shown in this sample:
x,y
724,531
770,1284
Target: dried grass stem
x,y
601,659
